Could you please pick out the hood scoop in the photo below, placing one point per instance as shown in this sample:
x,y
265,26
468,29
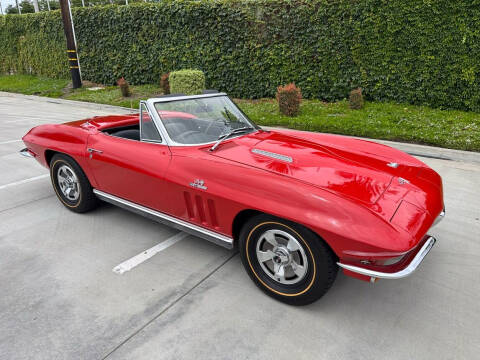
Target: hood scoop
x,y
273,155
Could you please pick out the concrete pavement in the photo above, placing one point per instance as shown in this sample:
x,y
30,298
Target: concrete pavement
x,y
60,298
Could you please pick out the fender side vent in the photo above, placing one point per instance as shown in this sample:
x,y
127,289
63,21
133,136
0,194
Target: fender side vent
x,y
273,155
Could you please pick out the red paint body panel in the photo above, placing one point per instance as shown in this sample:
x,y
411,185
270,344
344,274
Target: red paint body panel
x,y
339,187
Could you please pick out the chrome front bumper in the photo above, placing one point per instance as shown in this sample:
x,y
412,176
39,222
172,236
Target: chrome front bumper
x,y
409,269
439,217
26,153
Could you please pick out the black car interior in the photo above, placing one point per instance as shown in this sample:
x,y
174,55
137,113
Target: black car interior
x,y
181,130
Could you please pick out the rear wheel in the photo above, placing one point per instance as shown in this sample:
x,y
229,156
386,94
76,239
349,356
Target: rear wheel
x,y
71,185
286,260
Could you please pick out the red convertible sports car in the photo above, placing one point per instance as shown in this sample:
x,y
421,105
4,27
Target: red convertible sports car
x,y
297,205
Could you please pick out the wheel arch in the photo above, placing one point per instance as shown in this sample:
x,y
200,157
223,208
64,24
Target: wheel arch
x,y
243,216
49,155
240,219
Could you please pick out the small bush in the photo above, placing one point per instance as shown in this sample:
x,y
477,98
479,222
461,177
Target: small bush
x,y
355,99
289,98
124,87
164,83
188,82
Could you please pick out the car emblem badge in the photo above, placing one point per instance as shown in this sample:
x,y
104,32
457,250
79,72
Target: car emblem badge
x,y
393,165
402,181
199,184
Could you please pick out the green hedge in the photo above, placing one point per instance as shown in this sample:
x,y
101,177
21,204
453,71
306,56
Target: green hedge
x,y
417,51
187,81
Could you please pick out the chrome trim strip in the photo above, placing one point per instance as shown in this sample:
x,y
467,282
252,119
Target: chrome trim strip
x,y
140,120
273,155
399,274
26,153
150,103
185,97
196,230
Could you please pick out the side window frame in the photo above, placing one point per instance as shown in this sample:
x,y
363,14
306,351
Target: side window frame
x,y
144,108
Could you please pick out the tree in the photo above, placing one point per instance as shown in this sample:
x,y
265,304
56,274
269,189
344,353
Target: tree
x,y
11,10
54,5
26,7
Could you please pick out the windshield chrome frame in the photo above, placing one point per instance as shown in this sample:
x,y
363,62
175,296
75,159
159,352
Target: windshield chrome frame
x,y
163,131
140,120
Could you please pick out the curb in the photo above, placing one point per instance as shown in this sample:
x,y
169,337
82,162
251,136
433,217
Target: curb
x,y
431,151
90,105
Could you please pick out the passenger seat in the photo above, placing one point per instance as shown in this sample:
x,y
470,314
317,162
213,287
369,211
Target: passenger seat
x,y
133,134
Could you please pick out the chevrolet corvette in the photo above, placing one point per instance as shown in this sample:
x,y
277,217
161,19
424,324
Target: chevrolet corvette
x,y
297,205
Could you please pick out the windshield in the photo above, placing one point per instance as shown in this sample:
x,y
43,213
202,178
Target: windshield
x,y
202,120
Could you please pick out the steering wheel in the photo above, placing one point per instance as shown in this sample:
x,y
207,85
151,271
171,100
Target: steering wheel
x,y
187,133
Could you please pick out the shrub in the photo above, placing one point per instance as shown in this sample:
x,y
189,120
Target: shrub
x,y
188,82
164,83
289,98
355,99
124,87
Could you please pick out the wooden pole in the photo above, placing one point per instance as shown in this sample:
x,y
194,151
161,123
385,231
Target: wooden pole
x,y
71,45
18,7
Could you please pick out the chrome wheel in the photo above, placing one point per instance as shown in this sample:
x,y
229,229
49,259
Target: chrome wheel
x,y
281,257
68,183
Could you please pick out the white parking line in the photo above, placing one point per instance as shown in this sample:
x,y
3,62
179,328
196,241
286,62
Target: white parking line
x,y
10,142
129,264
24,181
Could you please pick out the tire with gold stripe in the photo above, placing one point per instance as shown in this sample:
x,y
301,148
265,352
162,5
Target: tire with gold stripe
x,y
71,184
286,260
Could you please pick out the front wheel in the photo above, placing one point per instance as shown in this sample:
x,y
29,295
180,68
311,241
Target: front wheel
x,y
286,260
71,184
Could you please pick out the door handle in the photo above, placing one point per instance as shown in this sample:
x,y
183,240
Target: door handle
x,y
91,151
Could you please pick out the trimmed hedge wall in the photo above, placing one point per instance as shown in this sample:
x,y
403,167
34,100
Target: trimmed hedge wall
x,y
417,51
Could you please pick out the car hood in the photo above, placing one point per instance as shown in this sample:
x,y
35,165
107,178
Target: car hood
x,y
355,168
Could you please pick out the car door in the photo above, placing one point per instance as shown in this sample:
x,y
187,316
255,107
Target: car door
x,y
131,169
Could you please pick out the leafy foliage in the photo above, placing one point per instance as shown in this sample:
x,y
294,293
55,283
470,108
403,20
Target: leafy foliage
x,y
26,7
289,98
417,51
188,82
355,99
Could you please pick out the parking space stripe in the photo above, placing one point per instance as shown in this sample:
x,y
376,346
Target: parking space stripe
x,y
129,264
24,181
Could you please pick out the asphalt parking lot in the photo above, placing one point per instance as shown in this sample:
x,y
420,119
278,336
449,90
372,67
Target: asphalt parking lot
x,y
60,298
